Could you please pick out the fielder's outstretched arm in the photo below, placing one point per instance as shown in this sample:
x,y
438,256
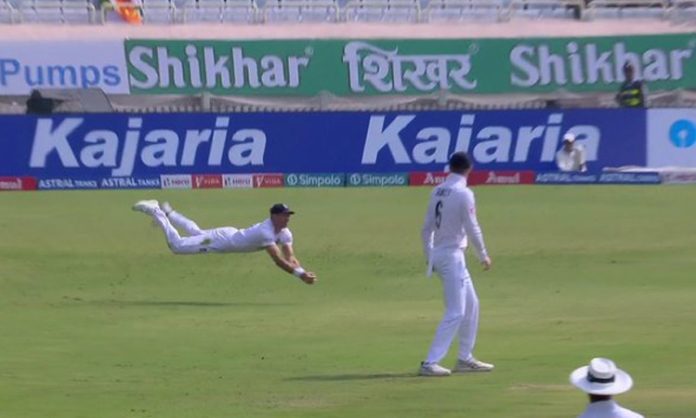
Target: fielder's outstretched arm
x,y
277,256
289,255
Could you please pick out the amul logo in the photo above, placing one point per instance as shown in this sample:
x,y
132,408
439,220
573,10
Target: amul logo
x,y
682,133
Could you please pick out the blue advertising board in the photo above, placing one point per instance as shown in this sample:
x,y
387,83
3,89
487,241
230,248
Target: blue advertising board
x,y
137,148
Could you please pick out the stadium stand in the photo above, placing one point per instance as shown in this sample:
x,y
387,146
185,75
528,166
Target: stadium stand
x,y
398,11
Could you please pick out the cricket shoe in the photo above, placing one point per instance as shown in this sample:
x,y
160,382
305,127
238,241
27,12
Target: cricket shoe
x,y
146,206
433,369
472,365
166,208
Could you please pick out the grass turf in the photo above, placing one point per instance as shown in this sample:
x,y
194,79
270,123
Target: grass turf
x,y
98,319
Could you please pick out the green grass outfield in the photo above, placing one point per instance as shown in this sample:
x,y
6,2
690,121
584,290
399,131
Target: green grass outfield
x,y
99,320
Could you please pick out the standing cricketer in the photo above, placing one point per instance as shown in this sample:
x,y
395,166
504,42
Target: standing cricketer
x,y
450,220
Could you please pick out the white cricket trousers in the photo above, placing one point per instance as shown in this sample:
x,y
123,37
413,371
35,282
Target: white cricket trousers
x,y
461,306
198,240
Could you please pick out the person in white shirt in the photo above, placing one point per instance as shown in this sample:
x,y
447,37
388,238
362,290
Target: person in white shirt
x,y
271,235
600,380
571,156
449,222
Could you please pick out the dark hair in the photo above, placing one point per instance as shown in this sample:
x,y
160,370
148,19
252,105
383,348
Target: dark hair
x,y
459,162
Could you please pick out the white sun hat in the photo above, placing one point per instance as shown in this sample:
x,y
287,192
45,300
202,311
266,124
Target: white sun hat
x,y
569,137
601,377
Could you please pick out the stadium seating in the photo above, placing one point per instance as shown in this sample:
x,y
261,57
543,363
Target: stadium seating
x,y
447,10
8,12
237,11
157,11
627,8
299,11
682,11
383,10
537,9
49,11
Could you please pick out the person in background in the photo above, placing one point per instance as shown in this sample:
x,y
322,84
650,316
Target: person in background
x,y
601,379
571,156
632,91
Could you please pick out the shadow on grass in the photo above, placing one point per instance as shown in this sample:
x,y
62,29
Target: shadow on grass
x,y
172,303
357,376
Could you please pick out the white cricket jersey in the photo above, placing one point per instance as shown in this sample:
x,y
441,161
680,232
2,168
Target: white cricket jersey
x,y
254,238
608,409
571,161
451,218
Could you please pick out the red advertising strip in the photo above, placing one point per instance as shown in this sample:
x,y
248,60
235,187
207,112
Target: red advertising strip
x,y
426,178
17,183
207,181
501,177
269,180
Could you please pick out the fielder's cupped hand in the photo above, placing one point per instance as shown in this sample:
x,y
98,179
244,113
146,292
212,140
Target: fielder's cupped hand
x,y
309,277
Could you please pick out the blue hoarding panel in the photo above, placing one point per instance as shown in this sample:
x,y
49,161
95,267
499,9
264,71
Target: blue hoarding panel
x,y
95,147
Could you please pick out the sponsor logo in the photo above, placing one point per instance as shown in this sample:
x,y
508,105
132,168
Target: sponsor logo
x,y
671,138
207,181
603,178
176,181
237,181
268,180
17,183
129,183
67,183
27,65
427,178
377,70
315,180
124,148
630,178
485,143
565,178
207,67
501,177
575,63
377,180
679,177
682,133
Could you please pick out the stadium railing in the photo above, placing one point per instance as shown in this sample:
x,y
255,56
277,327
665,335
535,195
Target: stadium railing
x,y
207,102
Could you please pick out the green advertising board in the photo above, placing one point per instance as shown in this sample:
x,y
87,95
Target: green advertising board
x,y
407,66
